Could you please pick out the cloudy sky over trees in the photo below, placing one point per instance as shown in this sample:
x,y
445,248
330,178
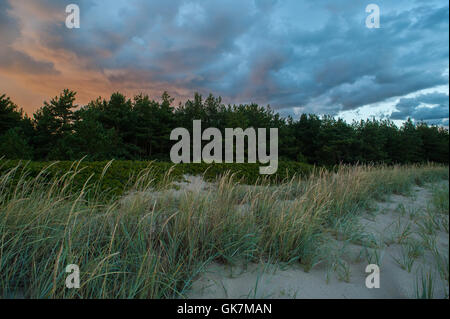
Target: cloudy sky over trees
x,y
296,55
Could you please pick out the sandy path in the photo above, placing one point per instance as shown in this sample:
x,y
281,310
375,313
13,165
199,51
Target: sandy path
x,y
386,225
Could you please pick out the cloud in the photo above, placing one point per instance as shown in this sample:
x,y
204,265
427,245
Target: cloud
x,y
315,57
432,108
12,60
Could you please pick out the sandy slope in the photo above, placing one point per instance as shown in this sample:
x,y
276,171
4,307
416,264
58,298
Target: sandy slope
x,y
271,281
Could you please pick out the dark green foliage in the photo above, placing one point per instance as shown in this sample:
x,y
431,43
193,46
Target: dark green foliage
x,y
14,144
53,135
120,175
139,129
10,116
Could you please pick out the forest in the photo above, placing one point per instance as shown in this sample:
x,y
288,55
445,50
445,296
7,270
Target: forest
x,y
139,129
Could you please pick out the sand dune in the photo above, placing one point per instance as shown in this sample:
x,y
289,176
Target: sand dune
x,y
386,224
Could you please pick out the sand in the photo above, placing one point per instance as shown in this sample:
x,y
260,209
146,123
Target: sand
x,y
274,281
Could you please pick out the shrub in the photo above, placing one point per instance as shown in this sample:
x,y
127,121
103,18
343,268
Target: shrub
x,y
116,177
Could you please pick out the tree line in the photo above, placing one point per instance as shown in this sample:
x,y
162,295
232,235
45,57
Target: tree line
x,y
139,129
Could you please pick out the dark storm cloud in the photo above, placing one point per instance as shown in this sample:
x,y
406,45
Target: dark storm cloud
x,y
318,56
415,108
356,66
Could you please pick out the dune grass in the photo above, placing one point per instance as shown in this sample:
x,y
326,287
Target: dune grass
x,y
154,241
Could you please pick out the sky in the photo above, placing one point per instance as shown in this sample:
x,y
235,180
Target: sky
x,y
298,56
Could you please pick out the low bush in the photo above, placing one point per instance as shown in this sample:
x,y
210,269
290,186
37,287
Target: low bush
x,y
115,177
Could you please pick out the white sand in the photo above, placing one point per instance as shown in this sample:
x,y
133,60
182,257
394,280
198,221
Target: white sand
x,y
270,281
